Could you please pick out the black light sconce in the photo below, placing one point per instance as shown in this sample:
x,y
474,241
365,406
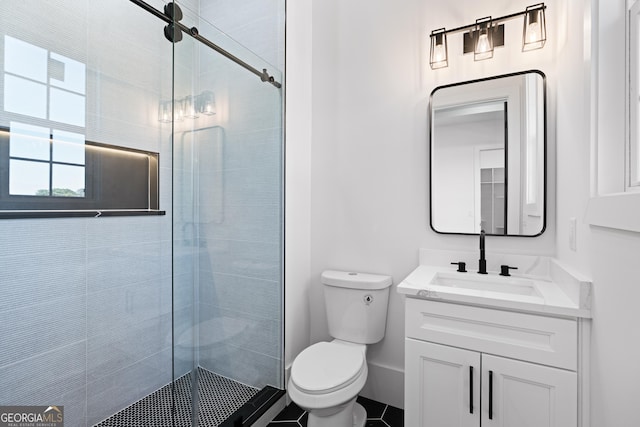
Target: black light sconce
x,y
439,49
487,33
188,107
534,32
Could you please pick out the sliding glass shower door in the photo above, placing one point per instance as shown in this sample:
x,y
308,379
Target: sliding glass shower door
x,y
227,227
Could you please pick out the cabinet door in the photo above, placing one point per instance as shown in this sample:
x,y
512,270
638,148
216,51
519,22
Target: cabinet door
x,y
522,394
442,386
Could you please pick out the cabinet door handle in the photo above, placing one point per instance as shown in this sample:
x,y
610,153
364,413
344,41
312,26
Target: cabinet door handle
x,y
471,389
490,395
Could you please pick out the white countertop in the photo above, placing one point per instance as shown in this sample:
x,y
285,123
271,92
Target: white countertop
x,y
564,295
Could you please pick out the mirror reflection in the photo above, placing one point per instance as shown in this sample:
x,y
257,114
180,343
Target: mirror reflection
x,y
488,154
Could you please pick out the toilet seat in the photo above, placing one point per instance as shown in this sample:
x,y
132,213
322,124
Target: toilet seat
x,y
327,367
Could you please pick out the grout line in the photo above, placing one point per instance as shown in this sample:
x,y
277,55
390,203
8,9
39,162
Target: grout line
x,y
384,411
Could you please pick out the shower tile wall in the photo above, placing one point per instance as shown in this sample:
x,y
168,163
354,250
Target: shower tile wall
x,y
256,24
85,306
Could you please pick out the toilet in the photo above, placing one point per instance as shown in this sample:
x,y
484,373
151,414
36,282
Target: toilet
x,y
327,376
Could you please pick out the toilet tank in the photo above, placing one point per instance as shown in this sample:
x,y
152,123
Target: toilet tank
x,y
356,305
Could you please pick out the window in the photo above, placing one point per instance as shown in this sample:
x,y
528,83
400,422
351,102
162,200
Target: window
x,y
611,206
46,164
58,171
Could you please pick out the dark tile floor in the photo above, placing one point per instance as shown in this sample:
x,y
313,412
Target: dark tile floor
x,y
378,415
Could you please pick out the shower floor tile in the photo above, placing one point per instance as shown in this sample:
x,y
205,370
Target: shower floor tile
x,y
219,397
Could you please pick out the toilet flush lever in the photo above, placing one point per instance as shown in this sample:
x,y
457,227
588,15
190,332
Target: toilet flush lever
x,y
462,266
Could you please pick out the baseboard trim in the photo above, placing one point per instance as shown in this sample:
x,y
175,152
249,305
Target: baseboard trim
x,y
385,384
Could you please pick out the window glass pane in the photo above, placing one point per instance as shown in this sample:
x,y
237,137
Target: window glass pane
x,y
72,74
68,147
25,59
28,178
66,107
25,97
635,149
68,181
28,141
634,96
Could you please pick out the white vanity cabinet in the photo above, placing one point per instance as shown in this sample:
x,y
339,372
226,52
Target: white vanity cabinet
x,y
470,366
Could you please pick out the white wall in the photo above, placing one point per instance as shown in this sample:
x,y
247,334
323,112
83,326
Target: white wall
x,y
369,160
369,208
298,178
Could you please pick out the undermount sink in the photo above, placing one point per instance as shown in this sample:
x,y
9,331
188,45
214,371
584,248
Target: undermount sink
x,y
545,287
500,284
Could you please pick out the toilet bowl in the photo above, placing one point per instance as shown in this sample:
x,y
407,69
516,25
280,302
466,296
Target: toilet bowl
x,y
325,381
327,376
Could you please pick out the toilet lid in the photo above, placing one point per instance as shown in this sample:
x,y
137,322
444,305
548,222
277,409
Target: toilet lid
x,y
325,367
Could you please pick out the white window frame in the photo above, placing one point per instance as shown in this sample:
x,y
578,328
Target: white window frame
x,y
633,120
616,210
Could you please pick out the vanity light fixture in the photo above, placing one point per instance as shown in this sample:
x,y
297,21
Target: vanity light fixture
x,y
178,110
534,32
207,103
439,51
165,112
482,37
190,110
189,107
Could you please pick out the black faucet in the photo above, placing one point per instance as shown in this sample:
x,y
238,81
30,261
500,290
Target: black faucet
x,y
482,262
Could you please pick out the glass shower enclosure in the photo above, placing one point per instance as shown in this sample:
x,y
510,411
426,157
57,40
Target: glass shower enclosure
x,y
227,223
168,313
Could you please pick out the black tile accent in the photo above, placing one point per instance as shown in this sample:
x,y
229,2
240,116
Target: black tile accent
x,y
393,416
291,413
374,409
304,419
219,397
378,415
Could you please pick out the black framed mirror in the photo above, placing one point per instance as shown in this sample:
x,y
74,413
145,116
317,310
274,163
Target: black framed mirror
x,y
488,156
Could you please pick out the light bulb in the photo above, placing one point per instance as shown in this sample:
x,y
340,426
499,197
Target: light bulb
x,y
483,43
439,53
533,32
179,112
190,108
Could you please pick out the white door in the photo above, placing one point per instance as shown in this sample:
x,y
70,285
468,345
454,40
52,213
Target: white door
x,y
442,386
521,394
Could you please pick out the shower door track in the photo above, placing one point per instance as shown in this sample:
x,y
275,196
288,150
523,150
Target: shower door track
x,y
193,32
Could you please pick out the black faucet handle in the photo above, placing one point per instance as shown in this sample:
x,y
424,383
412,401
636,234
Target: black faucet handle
x,y
462,266
504,270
